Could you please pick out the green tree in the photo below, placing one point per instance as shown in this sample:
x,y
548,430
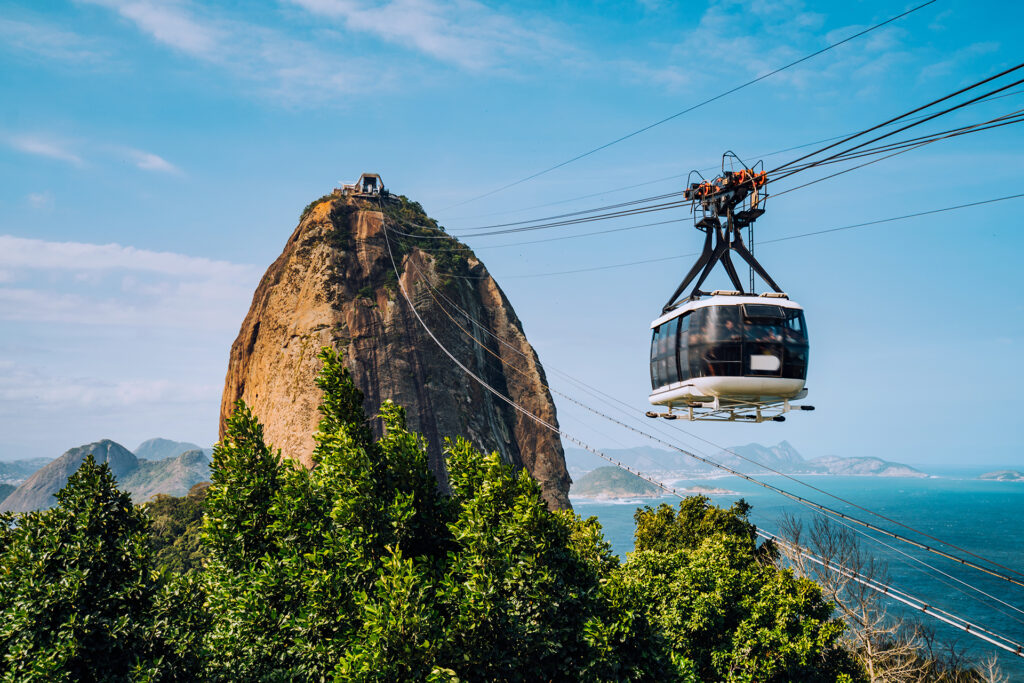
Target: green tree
x,y
361,569
77,591
300,559
725,610
518,594
177,526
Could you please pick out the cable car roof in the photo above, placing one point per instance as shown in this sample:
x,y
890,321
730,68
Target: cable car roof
x,y
719,298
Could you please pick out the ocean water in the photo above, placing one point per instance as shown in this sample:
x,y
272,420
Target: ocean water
x,y
984,517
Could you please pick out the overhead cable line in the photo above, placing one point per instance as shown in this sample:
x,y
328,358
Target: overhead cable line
x,y
811,506
677,176
554,221
913,111
694,107
678,200
976,128
814,233
646,205
548,239
915,603
997,122
794,497
1012,646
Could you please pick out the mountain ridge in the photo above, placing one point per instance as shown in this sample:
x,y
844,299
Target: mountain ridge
x,y
161,449
139,477
781,457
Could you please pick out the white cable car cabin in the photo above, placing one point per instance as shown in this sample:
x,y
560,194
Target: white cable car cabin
x,y
730,355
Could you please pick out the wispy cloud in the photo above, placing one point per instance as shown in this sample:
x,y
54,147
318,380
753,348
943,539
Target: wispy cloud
x,y
148,161
31,387
958,59
170,23
52,147
22,252
465,33
40,39
741,39
46,147
116,285
293,71
40,200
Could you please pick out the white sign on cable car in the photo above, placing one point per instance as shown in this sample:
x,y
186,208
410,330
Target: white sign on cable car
x,y
728,355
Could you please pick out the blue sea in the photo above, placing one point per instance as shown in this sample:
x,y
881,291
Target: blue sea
x,y
983,517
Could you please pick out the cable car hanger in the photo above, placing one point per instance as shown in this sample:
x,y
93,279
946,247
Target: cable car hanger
x,y
738,198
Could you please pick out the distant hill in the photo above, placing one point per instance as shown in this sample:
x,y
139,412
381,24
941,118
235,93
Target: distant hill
x,y
612,482
876,467
644,458
1003,475
782,457
6,490
161,449
141,478
172,476
17,471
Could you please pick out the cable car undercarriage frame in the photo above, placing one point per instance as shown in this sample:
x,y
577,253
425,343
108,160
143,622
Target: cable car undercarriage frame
x,y
731,356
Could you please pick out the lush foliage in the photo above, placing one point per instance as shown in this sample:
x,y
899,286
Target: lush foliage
x,y
361,569
175,532
421,231
78,598
728,611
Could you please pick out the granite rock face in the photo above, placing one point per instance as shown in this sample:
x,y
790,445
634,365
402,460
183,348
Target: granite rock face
x,y
334,285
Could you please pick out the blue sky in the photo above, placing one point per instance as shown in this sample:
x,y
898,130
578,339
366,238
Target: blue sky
x,y
155,156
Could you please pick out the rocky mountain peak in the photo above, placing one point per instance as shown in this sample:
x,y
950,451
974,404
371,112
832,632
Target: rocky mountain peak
x,y
38,490
334,285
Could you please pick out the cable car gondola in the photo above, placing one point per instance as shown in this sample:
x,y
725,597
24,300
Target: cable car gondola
x,y
728,355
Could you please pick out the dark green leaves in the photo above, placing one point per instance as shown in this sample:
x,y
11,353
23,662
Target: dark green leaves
x,y
362,569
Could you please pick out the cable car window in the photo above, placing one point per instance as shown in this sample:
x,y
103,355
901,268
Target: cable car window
x,y
655,379
795,328
664,368
669,359
722,323
763,324
714,348
763,311
795,364
683,343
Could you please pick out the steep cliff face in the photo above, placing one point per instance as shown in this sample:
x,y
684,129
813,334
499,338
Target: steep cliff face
x,y
334,285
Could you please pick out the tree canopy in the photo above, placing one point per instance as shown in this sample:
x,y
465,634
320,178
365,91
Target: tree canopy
x,y
360,568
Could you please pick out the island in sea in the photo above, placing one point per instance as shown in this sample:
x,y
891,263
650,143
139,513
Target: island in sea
x,y
612,482
1003,475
